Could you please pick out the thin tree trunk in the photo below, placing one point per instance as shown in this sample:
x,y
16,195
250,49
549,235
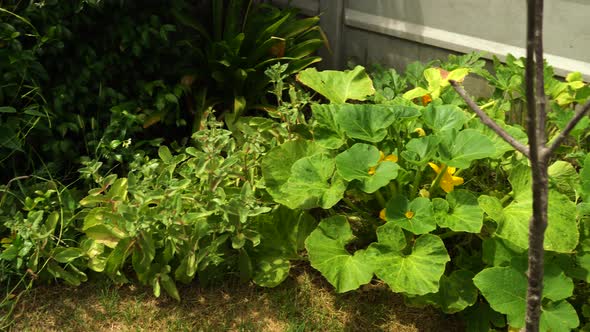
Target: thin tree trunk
x,y
537,152
539,162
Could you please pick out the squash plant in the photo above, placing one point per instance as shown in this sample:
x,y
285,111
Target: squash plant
x,y
414,195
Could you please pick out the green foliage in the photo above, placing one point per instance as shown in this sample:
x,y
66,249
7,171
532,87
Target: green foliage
x,y
238,42
456,293
299,174
556,313
367,176
483,224
61,103
416,273
282,234
416,216
336,86
353,164
327,253
181,213
104,101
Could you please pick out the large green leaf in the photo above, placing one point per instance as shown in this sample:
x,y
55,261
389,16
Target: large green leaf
x,y
169,286
562,230
299,175
498,252
283,233
416,216
505,289
276,165
366,122
585,178
558,316
361,121
421,150
326,131
520,179
417,273
338,86
459,149
556,285
327,253
492,206
403,111
564,178
456,293
463,213
116,259
444,117
355,163
480,317
500,144
313,183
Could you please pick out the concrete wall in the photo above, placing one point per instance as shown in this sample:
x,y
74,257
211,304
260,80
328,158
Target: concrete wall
x,y
397,32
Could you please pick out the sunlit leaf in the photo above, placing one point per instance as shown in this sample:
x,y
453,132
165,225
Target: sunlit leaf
x,y
338,86
327,254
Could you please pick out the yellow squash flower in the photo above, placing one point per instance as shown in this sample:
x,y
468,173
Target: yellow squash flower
x,y
382,157
382,215
391,157
448,181
409,214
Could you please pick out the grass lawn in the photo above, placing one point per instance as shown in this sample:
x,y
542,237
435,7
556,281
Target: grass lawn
x,y
304,302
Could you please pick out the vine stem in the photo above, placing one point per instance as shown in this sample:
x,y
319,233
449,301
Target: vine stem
x,y
351,205
380,198
416,182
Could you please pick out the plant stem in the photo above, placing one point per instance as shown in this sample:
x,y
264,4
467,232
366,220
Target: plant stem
x,y
351,205
416,182
380,198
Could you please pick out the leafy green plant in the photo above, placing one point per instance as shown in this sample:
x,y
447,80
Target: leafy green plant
x,y
181,213
38,239
238,45
404,181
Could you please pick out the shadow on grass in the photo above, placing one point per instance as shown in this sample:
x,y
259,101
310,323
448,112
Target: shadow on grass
x,y
304,302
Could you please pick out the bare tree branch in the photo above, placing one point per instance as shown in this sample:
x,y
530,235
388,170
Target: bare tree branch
x,y
568,128
486,120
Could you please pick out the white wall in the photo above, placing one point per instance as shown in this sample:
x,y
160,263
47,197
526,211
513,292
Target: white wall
x,y
396,32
